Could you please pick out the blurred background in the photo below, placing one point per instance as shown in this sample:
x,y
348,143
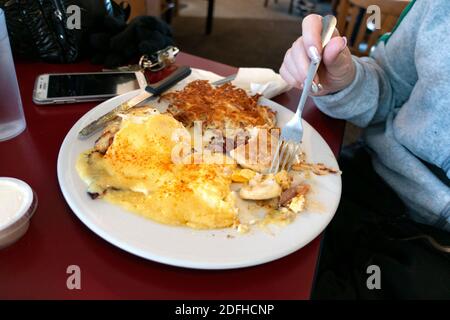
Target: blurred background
x,y
245,33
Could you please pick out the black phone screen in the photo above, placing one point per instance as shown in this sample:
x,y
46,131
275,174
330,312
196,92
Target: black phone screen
x,y
92,84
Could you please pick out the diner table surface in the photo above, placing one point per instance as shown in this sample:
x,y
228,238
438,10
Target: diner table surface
x,y
35,267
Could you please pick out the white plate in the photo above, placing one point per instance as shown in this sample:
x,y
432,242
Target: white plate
x,y
184,247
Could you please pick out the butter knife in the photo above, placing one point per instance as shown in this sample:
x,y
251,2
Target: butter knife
x,y
150,91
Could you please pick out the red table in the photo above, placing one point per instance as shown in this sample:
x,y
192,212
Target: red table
x,y
35,267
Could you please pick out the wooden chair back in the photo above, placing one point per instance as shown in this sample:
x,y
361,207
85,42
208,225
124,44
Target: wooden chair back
x,y
352,18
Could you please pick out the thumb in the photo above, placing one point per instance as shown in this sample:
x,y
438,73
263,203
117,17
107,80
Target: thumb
x,y
332,53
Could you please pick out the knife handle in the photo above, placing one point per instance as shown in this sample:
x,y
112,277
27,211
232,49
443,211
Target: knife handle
x,y
179,74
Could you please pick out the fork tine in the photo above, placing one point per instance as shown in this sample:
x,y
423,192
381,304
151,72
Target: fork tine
x,y
291,157
294,156
276,158
286,155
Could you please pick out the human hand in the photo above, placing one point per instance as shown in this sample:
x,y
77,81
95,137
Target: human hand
x,y
337,69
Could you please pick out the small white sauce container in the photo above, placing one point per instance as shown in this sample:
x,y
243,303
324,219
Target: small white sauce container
x,y
17,205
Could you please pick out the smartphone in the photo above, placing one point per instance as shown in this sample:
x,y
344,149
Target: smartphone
x,y
58,88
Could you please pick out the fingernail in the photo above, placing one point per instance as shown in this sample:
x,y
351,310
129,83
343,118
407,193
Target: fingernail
x,y
313,54
320,87
345,43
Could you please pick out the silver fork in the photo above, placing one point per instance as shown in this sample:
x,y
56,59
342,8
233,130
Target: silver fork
x,y
292,133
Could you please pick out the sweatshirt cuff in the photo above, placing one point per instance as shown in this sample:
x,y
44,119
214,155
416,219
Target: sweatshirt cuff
x,y
446,167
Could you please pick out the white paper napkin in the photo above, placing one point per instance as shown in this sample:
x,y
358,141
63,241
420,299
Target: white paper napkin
x,y
261,81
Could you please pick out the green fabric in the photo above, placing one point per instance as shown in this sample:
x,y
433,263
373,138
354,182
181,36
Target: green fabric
x,y
385,37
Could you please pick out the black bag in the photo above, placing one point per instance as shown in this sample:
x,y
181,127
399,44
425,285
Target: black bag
x,y
99,17
37,28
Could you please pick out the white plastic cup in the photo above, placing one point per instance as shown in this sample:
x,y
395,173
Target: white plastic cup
x,y
12,119
17,205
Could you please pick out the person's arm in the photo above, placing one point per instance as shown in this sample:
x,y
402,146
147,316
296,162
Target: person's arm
x,y
361,90
410,75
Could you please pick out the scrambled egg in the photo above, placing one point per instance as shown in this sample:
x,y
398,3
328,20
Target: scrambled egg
x,y
137,173
243,175
283,179
297,204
